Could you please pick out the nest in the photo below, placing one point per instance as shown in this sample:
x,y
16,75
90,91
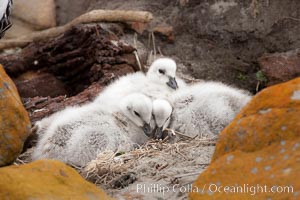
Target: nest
x,y
24,158
109,166
158,161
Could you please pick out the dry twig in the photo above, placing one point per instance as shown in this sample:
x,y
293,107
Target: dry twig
x,y
90,17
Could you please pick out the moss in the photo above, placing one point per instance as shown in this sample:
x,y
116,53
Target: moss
x,y
242,76
260,76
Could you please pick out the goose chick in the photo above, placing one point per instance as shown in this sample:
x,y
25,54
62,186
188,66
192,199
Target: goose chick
x,y
120,88
204,109
161,111
85,131
163,72
159,82
69,112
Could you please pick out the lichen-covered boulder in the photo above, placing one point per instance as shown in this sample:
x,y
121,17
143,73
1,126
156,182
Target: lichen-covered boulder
x,y
14,121
272,115
270,173
258,154
46,179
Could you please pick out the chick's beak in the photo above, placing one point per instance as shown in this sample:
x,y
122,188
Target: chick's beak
x,y
172,83
147,130
159,133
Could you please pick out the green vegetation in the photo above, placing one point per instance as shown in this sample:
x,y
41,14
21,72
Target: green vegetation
x,y
242,76
260,76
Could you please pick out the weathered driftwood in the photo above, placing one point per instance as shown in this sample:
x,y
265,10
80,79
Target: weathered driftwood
x,y
83,55
31,84
39,107
93,16
83,60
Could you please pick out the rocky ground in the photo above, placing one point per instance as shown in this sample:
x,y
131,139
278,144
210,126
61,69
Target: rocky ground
x,y
214,40
211,40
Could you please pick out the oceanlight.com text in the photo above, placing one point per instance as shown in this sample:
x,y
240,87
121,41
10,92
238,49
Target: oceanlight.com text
x,y
248,189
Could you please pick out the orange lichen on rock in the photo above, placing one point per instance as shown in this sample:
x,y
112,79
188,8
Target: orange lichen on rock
x,y
14,121
46,179
271,116
270,173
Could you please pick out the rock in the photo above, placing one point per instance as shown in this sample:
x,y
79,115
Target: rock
x,y
166,31
269,173
18,29
271,116
32,84
260,148
138,27
41,14
69,9
280,67
46,179
183,2
14,121
30,16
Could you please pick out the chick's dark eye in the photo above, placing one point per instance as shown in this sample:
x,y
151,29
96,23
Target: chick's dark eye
x,y
136,113
162,71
